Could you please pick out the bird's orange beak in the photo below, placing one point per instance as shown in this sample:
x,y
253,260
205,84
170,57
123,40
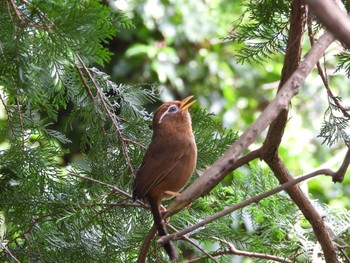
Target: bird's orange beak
x,y
184,103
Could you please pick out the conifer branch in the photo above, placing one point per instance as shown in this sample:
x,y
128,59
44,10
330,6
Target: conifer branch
x,y
114,188
109,113
20,121
23,21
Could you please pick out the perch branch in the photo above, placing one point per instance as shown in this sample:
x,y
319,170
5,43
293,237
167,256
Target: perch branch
x,y
146,244
223,166
275,133
254,199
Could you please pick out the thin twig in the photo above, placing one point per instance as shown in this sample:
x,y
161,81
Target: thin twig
x,y
114,188
135,143
146,244
24,22
86,85
323,75
18,13
234,251
7,251
194,244
344,254
105,107
20,122
254,199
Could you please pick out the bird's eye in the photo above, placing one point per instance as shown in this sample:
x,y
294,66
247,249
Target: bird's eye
x,y
173,108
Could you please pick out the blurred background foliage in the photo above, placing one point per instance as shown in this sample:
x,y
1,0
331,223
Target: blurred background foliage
x,y
185,47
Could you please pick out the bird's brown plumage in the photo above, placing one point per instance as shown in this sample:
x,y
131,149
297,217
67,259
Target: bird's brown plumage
x,y
169,160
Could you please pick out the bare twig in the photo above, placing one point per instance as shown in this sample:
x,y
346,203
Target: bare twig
x,y
323,76
8,252
146,244
194,244
254,199
234,251
20,121
114,188
110,115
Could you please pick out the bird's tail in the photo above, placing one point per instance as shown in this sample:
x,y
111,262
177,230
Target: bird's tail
x,y
169,247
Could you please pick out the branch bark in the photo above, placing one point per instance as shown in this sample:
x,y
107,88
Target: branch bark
x,y
332,15
275,114
275,133
254,199
224,165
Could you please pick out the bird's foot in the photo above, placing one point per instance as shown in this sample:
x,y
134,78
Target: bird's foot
x,y
171,193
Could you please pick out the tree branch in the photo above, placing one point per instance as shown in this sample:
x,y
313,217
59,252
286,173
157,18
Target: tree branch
x,y
223,166
324,78
146,244
8,252
194,244
110,115
333,17
114,188
234,251
275,133
254,199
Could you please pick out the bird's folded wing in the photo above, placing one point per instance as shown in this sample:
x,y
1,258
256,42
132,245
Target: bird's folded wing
x,y
157,164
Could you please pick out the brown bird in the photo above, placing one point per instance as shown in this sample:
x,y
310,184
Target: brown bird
x,y
169,160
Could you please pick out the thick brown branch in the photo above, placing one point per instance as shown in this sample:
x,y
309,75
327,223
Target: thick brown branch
x,y
254,199
223,166
276,130
331,15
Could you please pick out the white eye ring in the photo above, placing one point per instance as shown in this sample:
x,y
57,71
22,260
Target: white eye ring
x,y
171,109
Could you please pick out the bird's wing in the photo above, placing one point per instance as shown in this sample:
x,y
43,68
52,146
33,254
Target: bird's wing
x,y
157,164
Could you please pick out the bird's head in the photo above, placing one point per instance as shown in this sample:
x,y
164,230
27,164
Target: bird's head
x,y
173,115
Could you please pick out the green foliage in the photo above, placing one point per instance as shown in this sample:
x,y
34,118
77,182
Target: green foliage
x,y
262,30
335,124
71,136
